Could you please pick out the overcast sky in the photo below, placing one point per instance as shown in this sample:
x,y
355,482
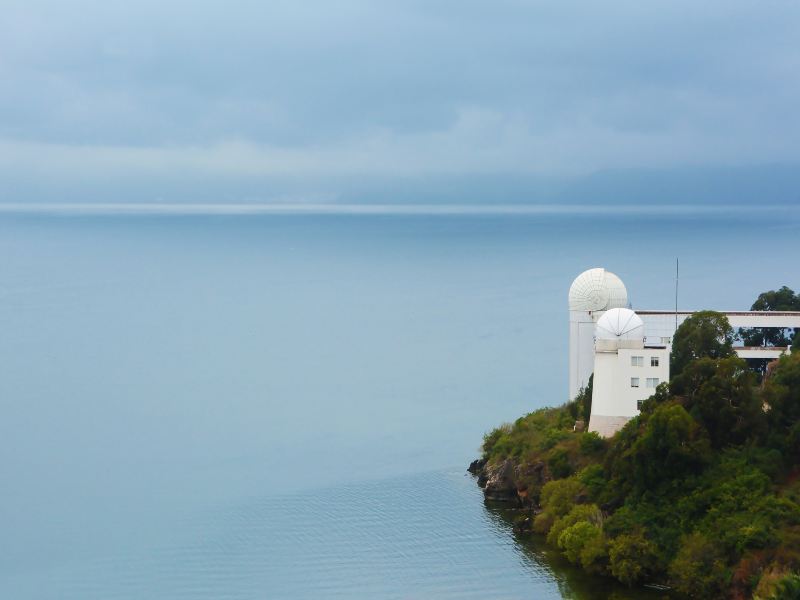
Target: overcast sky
x,y
270,100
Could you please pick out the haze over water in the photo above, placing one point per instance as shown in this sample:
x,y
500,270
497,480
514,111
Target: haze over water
x,y
283,405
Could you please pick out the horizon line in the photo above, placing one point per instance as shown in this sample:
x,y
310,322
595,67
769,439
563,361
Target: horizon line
x,y
244,208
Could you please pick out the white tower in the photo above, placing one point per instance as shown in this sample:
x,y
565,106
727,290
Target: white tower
x,y
591,294
626,371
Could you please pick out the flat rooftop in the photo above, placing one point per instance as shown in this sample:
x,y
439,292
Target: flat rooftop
x,y
736,313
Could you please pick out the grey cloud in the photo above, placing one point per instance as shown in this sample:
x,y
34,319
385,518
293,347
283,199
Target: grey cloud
x,y
316,95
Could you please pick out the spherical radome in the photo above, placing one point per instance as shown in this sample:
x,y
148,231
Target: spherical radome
x,y
597,289
620,324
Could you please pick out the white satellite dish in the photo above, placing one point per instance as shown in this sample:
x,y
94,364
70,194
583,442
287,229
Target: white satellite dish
x,y
620,324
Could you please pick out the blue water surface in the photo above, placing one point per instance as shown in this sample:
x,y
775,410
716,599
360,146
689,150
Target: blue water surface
x,y
274,406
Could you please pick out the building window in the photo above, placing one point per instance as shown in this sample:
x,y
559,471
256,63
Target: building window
x,y
653,361
634,382
666,340
652,382
637,361
639,404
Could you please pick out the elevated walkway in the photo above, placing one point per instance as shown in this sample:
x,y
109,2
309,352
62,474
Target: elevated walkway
x,y
770,352
737,318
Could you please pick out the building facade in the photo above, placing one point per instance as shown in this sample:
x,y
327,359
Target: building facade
x,y
626,370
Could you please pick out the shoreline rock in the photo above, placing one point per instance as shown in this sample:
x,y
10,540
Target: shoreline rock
x,y
503,482
476,466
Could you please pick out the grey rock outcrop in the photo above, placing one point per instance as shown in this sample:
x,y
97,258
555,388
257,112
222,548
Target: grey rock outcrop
x,y
500,482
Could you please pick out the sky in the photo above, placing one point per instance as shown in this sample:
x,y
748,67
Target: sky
x,y
400,101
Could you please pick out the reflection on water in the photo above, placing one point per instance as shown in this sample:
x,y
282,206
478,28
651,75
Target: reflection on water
x,y
570,580
421,536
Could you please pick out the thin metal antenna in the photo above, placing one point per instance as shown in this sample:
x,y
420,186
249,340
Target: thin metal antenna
x,y
677,275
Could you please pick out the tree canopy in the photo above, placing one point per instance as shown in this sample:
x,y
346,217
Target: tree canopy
x,y
704,334
773,300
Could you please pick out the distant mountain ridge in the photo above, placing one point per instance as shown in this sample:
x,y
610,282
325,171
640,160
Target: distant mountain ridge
x,y
757,185
770,184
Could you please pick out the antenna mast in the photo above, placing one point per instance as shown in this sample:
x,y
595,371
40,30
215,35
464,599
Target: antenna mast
x,y
677,274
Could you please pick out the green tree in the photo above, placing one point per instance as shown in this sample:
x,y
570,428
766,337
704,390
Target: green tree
x,y
734,504
781,395
590,443
699,568
593,479
788,588
557,499
594,554
704,334
720,395
671,446
580,512
773,300
633,558
583,401
777,584
559,464
558,496
583,544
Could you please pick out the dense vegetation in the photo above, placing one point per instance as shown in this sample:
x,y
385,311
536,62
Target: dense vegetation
x,y
699,492
774,300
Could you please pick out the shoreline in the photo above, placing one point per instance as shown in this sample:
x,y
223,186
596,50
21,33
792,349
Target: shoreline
x,y
502,490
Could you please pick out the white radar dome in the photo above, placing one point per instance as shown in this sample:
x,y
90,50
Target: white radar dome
x,y
620,324
597,289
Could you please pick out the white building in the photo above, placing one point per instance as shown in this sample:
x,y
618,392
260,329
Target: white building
x,y
626,370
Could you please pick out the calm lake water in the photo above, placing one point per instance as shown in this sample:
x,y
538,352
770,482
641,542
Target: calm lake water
x,y
274,406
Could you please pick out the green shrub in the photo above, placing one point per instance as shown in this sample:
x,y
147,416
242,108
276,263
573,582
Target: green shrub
x,y
593,479
699,568
583,401
558,496
590,443
594,554
559,464
788,588
734,503
552,437
633,558
671,445
580,512
495,435
583,543
777,584
543,522
720,394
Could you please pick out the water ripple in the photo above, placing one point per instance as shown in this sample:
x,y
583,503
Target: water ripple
x,y
422,536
